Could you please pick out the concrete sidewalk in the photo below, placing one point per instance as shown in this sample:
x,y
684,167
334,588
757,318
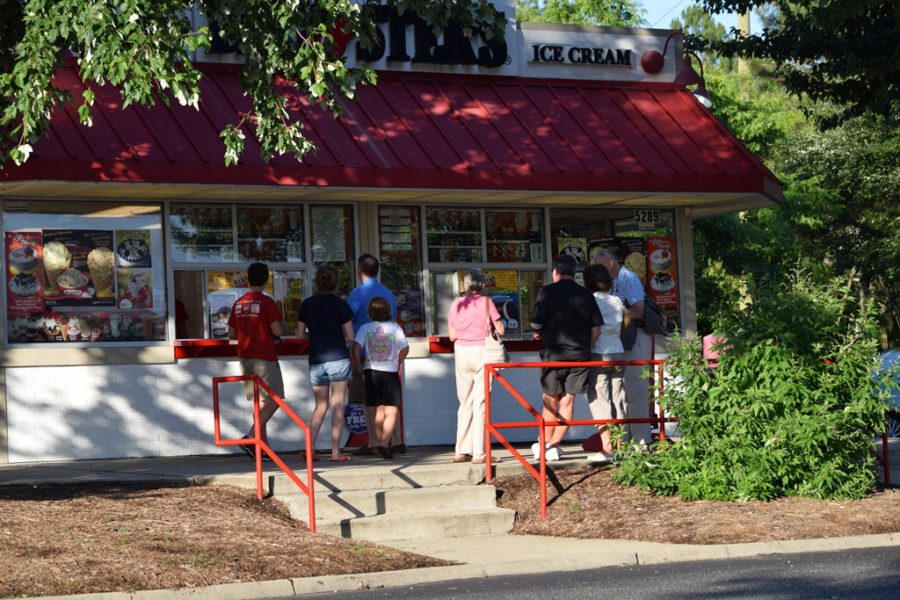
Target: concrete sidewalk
x,y
478,556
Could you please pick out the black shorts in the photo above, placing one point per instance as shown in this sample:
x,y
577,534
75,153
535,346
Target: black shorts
x,y
556,381
382,388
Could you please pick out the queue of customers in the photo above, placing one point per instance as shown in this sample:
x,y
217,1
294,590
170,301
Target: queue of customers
x,y
356,347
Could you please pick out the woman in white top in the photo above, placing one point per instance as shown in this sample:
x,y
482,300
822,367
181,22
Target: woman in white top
x,y
606,390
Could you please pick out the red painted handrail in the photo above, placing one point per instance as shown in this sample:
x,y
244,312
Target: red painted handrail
x,y
260,446
493,429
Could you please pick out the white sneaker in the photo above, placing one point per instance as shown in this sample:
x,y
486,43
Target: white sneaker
x,y
553,454
536,450
598,459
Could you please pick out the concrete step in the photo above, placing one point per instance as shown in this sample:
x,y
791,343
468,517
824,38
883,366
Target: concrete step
x,y
434,524
368,503
401,476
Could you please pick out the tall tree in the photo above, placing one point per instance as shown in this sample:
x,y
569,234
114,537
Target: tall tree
x,y
144,48
612,13
834,51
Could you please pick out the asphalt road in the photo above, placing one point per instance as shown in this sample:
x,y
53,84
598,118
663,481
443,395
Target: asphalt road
x,y
857,574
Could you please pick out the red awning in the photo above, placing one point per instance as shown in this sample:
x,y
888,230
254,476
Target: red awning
x,y
418,131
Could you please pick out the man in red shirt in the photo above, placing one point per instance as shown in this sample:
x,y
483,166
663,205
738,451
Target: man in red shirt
x,y
255,322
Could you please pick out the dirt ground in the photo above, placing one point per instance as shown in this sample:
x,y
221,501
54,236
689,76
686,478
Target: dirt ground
x,y
77,539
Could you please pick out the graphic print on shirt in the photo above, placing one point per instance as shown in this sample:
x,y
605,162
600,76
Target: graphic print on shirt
x,y
379,346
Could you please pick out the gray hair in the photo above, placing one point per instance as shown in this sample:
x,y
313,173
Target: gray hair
x,y
604,255
474,281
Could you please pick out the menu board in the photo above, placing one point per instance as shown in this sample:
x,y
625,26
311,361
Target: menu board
x,y
514,236
202,233
453,235
398,239
83,285
330,234
270,234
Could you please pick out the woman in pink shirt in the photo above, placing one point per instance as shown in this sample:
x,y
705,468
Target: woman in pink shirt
x,y
468,321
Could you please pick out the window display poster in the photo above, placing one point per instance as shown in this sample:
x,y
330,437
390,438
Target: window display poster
x,y
220,303
78,265
135,288
25,278
574,247
133,248
220,280
663,280
411,311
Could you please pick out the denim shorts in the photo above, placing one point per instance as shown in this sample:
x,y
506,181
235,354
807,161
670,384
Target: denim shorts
x,y
330,372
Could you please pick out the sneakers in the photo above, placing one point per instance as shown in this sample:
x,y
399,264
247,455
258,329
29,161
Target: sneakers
x,y
248,450
553,454
599,459
385,452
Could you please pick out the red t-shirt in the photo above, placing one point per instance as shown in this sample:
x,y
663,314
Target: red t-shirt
x,y
251,316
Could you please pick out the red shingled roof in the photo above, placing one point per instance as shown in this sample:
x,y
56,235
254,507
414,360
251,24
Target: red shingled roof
x,y
418,130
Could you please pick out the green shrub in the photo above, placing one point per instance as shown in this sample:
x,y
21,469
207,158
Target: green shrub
x,y
791,408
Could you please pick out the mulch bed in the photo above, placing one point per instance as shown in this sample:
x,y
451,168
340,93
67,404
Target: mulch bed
x,y
79,539
586,503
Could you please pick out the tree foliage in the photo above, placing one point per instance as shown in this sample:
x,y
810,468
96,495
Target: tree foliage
x,y
834,51
144,47
611,13
790,409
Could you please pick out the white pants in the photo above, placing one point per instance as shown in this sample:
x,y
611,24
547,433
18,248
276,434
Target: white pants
x,y
470,391
637,391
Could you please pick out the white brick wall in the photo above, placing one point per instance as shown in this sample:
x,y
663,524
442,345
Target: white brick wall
x,y
84,412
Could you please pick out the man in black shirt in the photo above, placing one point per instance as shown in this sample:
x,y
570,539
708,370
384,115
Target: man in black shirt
x,y
566,318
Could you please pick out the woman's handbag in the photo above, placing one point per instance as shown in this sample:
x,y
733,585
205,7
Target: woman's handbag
x,y
494,350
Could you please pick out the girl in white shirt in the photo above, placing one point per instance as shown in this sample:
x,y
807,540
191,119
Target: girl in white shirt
x,y
606,390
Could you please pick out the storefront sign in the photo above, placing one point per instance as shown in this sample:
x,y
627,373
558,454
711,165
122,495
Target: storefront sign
x,y
579,55
454,47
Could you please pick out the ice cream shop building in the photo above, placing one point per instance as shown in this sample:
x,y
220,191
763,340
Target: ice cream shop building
x,y
126,243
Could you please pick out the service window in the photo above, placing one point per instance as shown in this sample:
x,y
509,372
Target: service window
x,y
643,239
212,244
508,243
84,273
400,253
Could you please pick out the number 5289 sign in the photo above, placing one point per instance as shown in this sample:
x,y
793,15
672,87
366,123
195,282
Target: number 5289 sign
x,y
646,219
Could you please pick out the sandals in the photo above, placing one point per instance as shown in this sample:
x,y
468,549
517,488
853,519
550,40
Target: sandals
x,y
481,460
339,459
461,458
302,455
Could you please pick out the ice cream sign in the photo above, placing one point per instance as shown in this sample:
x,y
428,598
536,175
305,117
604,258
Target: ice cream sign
x,y
580,55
